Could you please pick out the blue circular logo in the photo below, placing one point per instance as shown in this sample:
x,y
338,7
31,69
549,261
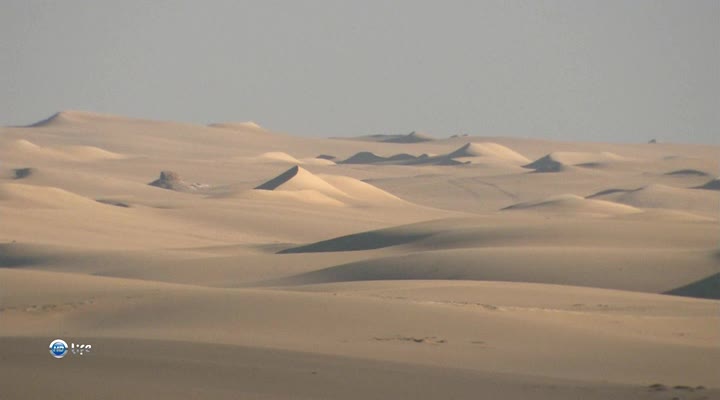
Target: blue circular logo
x,y
58,348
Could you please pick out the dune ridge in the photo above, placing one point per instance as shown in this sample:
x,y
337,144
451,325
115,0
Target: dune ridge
x,y
69,117
72,153
488,149
342,189
660,196
570,203
240,126
282,157
412,137
687,172
564,160
30,196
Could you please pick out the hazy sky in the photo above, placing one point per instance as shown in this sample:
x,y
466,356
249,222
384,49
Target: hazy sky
x,y
590,70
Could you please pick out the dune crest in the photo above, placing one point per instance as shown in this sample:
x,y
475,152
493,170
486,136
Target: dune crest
x,y
342,189
364,157
77,117
298,178
360,190
32,196
564,160
241,126
279,156
71,153
660,196
282,157
367,157
490,150
412,137
687,172
570,203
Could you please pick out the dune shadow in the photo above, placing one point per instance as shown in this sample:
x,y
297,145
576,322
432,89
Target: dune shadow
x,y
706,288
360,241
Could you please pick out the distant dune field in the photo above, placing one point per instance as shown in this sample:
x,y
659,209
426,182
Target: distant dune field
x,y
231,261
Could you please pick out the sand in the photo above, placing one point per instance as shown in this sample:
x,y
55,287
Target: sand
x,y
425,268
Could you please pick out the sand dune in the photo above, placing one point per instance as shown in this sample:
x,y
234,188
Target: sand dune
x,y
521,229
316,161
63,153
298,178
89,183
279,156
611,268
18,195
412,137
298,196
366,157
713,184
664,214
662,196
360,190
687,172
333,189
571,204
560,161
239,126
487,149
71,117
507,296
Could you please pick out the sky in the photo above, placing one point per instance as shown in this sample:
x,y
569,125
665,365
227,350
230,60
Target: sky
x,y
624,71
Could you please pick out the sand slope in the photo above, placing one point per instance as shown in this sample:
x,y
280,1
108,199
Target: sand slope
x,y
25,148
573,204
520,229
713,184
340,188
662,196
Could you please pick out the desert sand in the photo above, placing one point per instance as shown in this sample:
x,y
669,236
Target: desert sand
x,y
231,261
